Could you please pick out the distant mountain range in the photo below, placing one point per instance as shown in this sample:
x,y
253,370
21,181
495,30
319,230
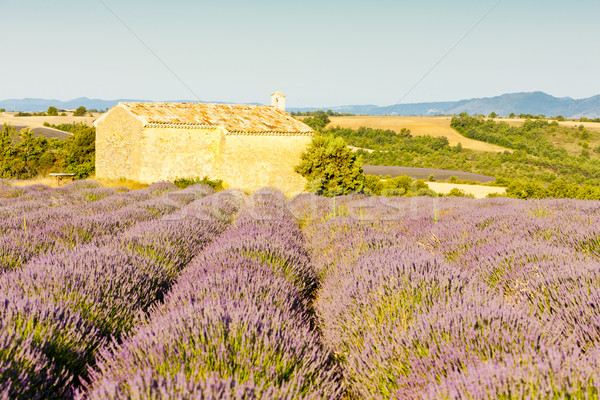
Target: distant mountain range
x,y
520,103
534,103
43,104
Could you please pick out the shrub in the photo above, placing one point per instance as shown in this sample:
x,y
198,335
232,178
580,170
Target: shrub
x,y
80,112
318,121
456,192
215,184
331,168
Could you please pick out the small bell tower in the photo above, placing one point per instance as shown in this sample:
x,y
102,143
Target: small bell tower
x,y
278,100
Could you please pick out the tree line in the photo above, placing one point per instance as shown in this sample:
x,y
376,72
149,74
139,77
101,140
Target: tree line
x,y
24,155
534,167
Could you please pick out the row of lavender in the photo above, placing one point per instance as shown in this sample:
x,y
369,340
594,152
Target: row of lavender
x,y
403,298
44,220
238,323
65,305
455,298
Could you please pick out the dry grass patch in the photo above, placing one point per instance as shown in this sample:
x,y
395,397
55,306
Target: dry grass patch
x,y
478,191
45,180
121,183
53,182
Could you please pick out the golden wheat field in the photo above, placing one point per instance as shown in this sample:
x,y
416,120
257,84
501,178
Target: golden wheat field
x,y
419,126
36,123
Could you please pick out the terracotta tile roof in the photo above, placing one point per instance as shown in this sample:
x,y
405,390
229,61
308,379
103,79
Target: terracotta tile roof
x,y
235,118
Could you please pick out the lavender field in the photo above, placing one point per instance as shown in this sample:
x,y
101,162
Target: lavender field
x,y
189,294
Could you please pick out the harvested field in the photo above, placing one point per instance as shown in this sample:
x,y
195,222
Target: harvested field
x,y
419,126
424,173
37,123
478,191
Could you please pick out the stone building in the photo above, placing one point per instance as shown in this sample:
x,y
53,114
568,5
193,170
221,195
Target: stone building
x,y
247,146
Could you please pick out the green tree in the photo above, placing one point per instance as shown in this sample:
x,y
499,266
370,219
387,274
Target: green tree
x,y
79,150
373,185
2,110
7,135
318,121
52,111
23,156
331,168
493,114
80,112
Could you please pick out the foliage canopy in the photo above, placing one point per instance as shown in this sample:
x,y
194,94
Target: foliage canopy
x,y
80,112
25,156
331,168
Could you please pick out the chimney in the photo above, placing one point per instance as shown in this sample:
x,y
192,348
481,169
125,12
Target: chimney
x,y
278,100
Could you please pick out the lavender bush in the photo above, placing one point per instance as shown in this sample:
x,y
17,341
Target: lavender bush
x,y
191,294
45,346
106,286
238,323
460,299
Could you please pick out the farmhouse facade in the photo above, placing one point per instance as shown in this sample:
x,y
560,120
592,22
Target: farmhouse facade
x,y
247,146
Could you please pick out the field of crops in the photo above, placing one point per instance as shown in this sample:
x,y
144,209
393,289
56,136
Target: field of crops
x,y
419,126
189,294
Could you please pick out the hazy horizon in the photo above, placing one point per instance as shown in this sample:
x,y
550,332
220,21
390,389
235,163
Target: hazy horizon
x,y
325,53
267,99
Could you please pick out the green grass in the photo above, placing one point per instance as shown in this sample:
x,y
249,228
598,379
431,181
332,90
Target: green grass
x,y
216,184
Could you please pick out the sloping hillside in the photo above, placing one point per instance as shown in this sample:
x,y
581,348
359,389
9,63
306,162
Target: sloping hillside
x,y
419,126
36,123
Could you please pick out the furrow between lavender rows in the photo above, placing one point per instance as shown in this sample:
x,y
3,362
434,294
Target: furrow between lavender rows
x,y
237,324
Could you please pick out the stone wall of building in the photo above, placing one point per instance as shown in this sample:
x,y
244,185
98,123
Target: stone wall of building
x,y
125,149
252,162
173,153
118,136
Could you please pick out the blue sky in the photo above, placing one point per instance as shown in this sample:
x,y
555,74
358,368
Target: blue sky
x,y
318,52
